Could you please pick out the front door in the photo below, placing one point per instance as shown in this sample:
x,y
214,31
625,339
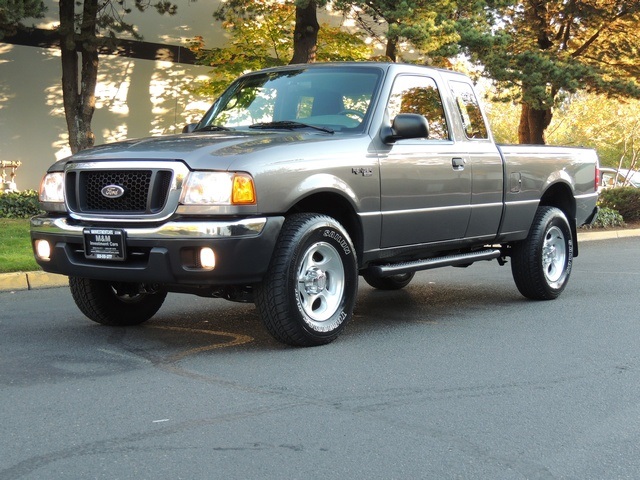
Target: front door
x,y
426,182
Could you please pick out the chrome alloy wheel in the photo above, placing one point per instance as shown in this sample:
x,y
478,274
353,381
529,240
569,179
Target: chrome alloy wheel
x,y
554,254
321,283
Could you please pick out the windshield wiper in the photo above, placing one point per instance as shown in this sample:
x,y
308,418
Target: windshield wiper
x,y
213,128
289,124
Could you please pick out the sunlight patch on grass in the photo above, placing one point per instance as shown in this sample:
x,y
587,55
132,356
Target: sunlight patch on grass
x,y
15,246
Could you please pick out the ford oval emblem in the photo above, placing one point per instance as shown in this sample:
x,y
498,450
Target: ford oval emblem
x,y
112,191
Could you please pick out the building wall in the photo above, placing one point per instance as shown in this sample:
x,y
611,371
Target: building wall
x,y
146,93
135,97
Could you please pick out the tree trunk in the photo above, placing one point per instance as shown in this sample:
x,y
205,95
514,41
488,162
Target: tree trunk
x,y
532,125
305,35
78,92
391,51
534,122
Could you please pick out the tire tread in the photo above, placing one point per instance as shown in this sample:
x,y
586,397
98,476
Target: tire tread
x,y
97,302
272,303
526,266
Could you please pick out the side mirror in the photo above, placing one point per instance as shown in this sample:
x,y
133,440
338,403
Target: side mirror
x,y
189,128
406,125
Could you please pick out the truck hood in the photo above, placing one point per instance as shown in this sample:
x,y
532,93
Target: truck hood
x,y
207,150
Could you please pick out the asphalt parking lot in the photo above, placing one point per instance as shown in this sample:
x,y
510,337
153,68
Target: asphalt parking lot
x,y
456,376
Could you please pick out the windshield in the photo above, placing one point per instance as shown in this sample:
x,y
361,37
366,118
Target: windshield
x,y
334,99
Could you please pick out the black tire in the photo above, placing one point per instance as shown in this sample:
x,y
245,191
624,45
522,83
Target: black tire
x,y
541,264
394,282
114,304
309,291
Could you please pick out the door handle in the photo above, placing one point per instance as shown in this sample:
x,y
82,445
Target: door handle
x,y
458,163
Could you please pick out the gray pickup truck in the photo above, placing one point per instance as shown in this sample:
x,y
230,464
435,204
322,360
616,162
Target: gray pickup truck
x,y
299,180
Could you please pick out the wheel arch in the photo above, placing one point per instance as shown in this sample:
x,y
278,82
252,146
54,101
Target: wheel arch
x,y
334,205
560,195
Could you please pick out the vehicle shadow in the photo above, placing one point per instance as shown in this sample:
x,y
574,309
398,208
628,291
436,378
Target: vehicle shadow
x,y
208,325
72,347
430,303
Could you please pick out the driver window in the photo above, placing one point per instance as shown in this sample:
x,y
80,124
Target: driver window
x,y
416,94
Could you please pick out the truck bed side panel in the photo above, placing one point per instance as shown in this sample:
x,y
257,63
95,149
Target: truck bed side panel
x,y
530,170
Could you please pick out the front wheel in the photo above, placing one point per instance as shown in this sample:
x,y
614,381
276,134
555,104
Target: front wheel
x,y
309,291
115,303
541,264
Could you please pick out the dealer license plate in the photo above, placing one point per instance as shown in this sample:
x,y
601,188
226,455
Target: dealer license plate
x,y
104,244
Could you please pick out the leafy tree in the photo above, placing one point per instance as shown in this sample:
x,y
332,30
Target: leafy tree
x,y
306,26
12,12
502,117
611,126
543,50
262,35
83,33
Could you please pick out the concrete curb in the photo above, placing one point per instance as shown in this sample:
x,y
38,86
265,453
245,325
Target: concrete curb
x,y
607,234
37,280
31,281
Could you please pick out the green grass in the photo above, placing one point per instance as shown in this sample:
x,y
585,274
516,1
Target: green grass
x,y
15,246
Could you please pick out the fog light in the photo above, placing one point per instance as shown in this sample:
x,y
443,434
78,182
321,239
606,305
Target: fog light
x,y
207,258
43,249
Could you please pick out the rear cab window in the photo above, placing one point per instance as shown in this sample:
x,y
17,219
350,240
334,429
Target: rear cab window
x,y
471,117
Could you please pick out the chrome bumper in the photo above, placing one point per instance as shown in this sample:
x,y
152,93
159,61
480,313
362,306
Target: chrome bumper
x,y
185,230
166,253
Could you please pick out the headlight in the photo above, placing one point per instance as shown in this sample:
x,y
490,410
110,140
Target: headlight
x,y
52,188
218,188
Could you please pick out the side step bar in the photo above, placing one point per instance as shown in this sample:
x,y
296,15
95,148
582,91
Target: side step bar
x,y
446,261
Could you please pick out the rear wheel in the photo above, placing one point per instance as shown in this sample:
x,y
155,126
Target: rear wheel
x,y
309,291
541,264
394,282
115,303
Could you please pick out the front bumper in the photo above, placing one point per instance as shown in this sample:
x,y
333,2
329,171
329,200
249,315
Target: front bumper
x,y
166,254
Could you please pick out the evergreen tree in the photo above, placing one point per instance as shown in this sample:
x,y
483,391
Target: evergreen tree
x,y
540,50
12,12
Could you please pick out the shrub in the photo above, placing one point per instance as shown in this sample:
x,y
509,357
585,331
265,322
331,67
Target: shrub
x,y
626,200
19,204
607,218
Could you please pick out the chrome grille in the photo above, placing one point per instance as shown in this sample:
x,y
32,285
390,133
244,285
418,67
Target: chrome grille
x,y
136,190
145,191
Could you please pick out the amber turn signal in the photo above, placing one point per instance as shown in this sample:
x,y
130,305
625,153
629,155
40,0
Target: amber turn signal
x,y
243,190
